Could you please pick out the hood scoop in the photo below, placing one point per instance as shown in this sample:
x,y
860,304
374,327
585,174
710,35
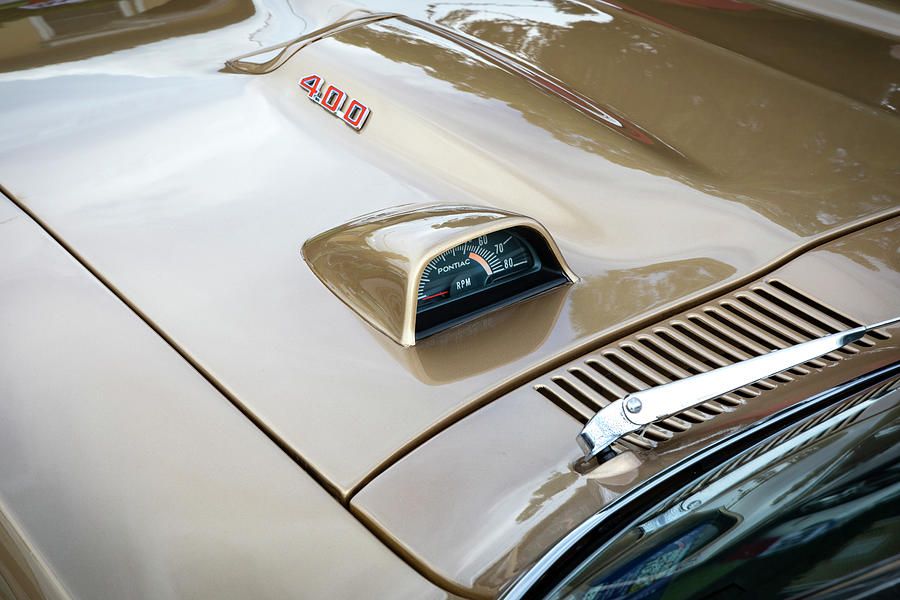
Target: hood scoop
x,y
416,270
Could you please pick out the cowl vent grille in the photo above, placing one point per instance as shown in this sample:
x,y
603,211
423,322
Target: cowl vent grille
x,y
754,321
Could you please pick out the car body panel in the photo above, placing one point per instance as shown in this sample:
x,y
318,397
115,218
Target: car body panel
x,y
126,475
518,464
740,140
46,33
202,236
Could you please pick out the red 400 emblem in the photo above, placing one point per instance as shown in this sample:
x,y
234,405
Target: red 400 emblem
x,y
332,99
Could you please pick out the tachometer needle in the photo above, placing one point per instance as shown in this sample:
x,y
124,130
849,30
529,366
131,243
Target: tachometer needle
x,y
434,295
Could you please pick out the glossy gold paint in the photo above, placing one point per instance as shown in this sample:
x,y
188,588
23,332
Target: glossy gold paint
x,y
22,576
189,190
374,263
262,61
518,464
33,37
499,337
133,478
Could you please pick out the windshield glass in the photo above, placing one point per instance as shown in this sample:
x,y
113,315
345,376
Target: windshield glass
x,y
811,511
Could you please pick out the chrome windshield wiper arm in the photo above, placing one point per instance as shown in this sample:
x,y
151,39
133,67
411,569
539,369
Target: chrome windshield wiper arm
x,y
631,413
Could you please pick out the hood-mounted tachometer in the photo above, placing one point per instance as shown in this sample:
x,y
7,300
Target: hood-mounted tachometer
x,y
416,270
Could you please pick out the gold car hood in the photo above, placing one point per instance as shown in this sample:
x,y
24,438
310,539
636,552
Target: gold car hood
x,y
189,189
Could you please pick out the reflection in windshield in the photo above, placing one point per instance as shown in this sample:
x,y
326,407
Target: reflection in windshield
x,y
814,509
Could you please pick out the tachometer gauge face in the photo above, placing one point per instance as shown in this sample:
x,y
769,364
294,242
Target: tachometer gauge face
x,y
472,267
484,274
